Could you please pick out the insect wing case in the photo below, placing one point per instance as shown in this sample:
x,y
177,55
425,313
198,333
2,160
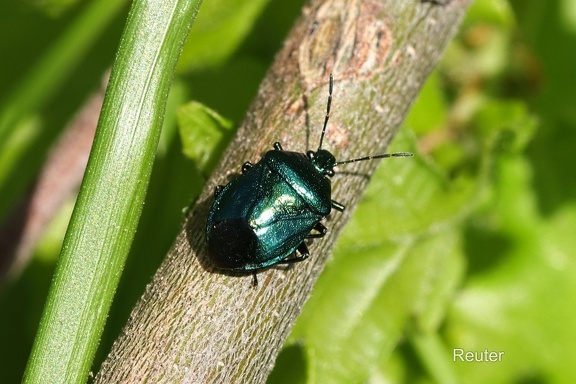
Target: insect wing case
x,y
230,240
260,218
297,171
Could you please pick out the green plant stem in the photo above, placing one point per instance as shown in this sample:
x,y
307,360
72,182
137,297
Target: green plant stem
x,y
111,196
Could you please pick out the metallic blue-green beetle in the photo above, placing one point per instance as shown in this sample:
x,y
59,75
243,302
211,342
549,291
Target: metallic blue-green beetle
x,y
263,217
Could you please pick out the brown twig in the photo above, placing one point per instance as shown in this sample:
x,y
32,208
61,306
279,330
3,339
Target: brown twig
x,y
196,325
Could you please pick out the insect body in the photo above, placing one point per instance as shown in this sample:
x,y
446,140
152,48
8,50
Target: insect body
x,y
262,217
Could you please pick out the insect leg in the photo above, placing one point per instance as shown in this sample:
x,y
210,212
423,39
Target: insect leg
x,y
254,279
437,2
278,146
338,206
304,254
246,166
322,230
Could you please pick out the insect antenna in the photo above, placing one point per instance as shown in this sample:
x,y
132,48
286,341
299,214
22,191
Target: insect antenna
x,y
327,111
328,105
395,154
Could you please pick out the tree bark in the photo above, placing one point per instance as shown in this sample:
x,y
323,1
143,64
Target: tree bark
x,y
198,325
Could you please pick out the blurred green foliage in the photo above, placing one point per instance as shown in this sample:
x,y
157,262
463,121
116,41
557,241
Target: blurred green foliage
x,y
467,245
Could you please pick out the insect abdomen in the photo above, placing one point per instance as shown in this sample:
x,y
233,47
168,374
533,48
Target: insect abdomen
x,y
234,242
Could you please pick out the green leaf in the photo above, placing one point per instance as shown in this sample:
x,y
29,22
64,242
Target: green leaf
x,y
507,121
496,12
221,27
430,108
520,303
204,134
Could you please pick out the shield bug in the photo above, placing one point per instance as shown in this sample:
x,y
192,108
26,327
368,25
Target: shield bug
x,y
263,217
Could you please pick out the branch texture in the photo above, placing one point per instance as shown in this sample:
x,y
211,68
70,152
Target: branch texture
x,y
197,325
